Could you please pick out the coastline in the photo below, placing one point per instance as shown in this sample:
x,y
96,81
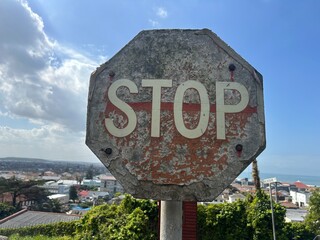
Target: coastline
x,y
288,178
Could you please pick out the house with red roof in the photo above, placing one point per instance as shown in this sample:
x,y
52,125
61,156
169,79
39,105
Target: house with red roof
x,y
301,196
83,195
301,186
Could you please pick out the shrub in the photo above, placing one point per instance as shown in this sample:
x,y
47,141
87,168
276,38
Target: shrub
x,y
132,219
55,229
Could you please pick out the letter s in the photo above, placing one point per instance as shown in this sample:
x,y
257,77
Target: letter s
x,y
124,107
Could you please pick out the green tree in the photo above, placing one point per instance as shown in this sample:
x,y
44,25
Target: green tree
x,y
79,178
90,172
6,210
52,205
73,193
298,231
86,204
246,220
26,190
215,221
36,194
260,219
313,217
132,219
136,227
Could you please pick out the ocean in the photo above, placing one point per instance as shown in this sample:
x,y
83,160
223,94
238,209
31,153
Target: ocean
x,y
309,180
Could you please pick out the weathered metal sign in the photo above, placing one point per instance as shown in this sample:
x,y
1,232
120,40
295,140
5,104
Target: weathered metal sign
x,y
176,115
269,180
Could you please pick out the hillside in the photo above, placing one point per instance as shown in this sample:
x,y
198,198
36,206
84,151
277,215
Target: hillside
x,y
32,164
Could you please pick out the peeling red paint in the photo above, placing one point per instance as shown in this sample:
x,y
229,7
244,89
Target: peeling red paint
x,y
165,170
174,165
168,106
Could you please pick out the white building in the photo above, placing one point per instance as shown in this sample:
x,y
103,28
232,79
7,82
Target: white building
x,y
219,199
91,196
68,182
62,198
235,197
91,182
301,199
57,187
110,184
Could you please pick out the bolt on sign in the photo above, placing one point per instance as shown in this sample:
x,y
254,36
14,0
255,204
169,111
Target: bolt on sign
x,y
176,115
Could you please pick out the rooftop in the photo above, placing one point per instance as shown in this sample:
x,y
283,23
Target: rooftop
x,y
107,177
27,218
300,185
296,215
289,205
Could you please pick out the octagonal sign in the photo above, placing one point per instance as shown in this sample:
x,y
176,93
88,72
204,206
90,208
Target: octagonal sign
x,y
176,115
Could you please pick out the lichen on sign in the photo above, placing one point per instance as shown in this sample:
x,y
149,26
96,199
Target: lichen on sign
x,y
174,115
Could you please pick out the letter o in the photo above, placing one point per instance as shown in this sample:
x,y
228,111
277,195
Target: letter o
x,y
204,112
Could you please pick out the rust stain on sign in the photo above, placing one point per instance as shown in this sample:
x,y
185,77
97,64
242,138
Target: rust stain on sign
x,y
178,126
172,158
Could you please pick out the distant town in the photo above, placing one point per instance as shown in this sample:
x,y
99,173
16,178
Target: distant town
x,y
77,186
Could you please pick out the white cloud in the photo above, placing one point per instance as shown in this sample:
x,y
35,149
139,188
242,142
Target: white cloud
x,y
162,13
48,141
40,81
154,23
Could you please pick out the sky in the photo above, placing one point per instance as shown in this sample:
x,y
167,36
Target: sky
x,y
49,48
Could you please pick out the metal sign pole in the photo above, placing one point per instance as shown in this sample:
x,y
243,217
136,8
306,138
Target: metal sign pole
x,y
272,214
171,220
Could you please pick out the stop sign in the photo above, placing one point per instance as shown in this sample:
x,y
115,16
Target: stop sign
x,y
176,115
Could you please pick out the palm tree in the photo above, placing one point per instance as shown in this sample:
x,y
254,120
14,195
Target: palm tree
x,y
255,175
